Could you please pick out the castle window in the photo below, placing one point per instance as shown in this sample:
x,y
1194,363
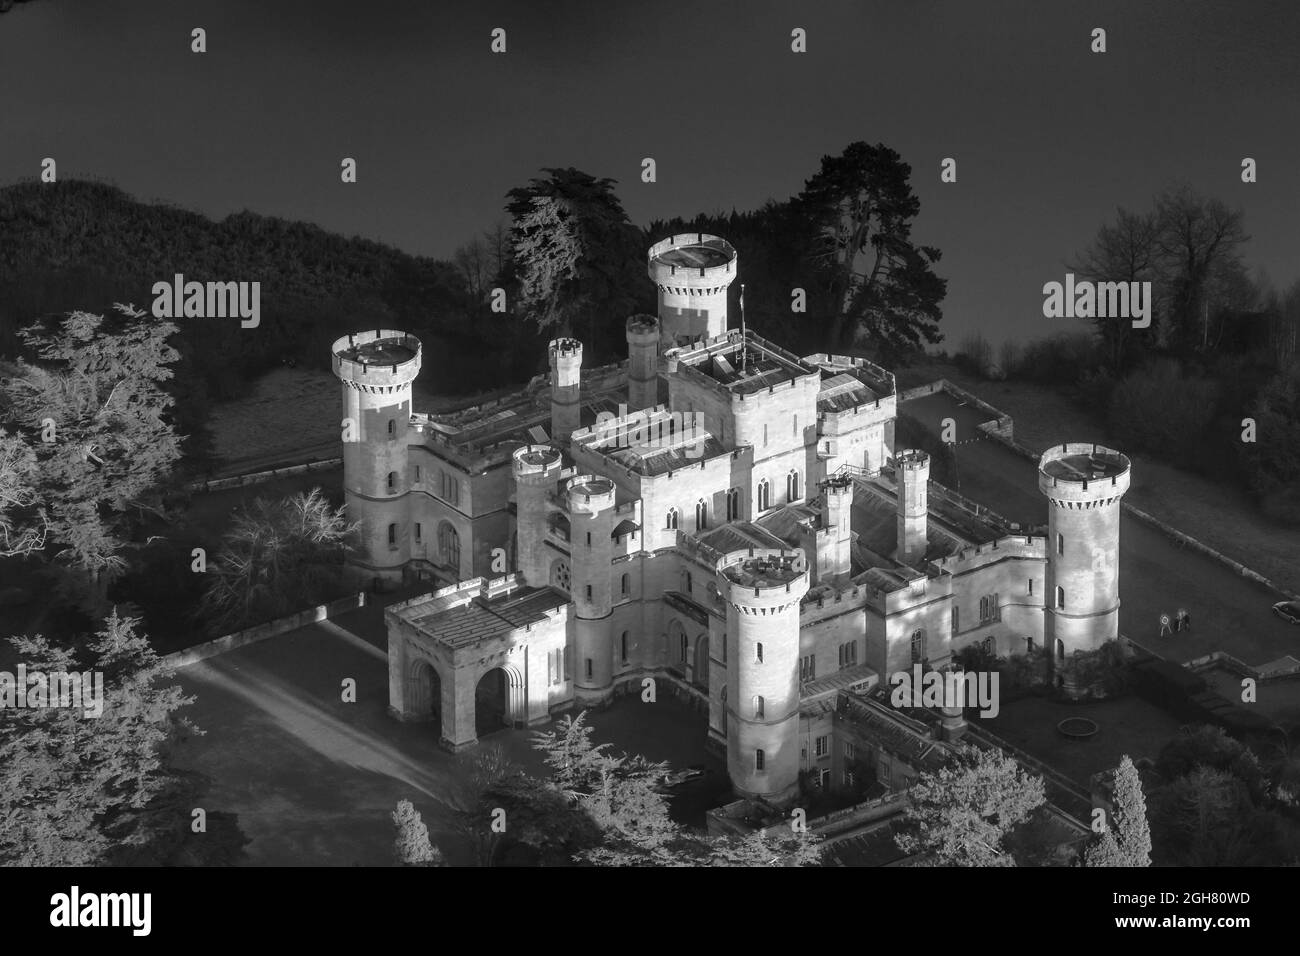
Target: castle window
x,y
682,648
671,524
588,668
792,486
1060,544
690,583
560,577
1031,587
625,584
733,504
848,654
1060,597
622,646
418,535
701,515
392,427
794,423
758,707
1060,649
392,536
764,495
589,539
765,435
758,652
449,545
417,474
588,592
758,760
918,646
392,482
849,752
822,746
989,609
882,770
450,489
956,621
808,667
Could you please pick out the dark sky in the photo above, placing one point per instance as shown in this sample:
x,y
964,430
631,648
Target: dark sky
x,y
1049,137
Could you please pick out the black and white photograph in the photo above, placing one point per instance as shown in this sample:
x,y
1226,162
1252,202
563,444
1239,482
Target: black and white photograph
x,y
650,436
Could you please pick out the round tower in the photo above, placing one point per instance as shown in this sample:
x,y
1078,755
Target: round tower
x,y
566,382
591,549
377,369
912,469
642,362
536,470
1084,483
692,271
763,589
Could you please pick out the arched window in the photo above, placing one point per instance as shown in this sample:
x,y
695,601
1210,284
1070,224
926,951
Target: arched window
x,y
392,427
1060,544
991,646
622,646
701,515
671,524
764,495
758,652
392,535
682,647
1060,649
449,545
918,645
758,706
733,504
625,583
690,583
1060,597
392,482
792,486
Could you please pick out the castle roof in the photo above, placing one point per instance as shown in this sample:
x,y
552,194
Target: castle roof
x,y
482,618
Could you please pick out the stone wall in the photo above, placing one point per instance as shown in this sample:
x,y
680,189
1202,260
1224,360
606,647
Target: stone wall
x,y
251,635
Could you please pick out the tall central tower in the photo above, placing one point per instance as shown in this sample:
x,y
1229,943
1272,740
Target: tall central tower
x,y
692,271
377,369
1084,484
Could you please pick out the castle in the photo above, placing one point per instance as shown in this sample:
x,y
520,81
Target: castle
x,y
715,513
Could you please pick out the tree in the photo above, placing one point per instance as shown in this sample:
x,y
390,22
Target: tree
x,y
1272,461
278,557
412,846
88,439
859,209
959,814
1126,841
75,789
1127,250
575,253
1196,236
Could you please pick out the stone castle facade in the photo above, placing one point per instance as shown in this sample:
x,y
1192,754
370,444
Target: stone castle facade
x,y
715,513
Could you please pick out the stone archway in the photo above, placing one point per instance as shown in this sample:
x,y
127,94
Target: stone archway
x,y
500,700
423,692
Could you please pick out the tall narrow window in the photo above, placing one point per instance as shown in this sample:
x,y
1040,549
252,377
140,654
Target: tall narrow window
x,y
625,584
417,474
671,524
794,423
1031,587
758,707
690,583
1060,544
956,621
758,759
392,427
418,535
1060,597
588,592
758,652
764,495
392,535
622,646
792,486
449,545
588,668
733,504
392,482
701,515
682,648
918,646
